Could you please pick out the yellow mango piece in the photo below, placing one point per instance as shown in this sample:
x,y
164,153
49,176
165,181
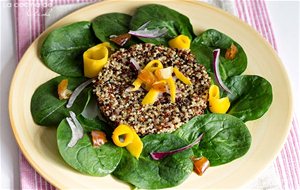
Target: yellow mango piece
x,y
181,77
180,42
154,65
94,59
137,84
217,105
164,73
147,77
150,97
125,132
160,86
214,92
172,87
136,147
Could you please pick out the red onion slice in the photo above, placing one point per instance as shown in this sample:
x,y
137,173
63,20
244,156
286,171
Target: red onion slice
x,y
144,26
76,128
135,65
145,33
216,54
77,91
161,155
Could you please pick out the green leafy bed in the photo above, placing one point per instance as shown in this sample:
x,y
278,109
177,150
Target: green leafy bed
x,y
226,135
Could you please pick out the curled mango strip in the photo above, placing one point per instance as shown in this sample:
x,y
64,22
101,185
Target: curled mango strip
x,y
180,42
181,77
136,147
172,87
164,73
154,65
214,92
95,58
160,86
217,105
150,97
132,141
137,84
147,77
125,132
150,67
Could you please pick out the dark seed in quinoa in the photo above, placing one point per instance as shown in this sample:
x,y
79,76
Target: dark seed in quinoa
x,y
122,106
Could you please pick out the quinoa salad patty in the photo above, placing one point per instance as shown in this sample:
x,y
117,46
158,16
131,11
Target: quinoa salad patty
x,y
121,106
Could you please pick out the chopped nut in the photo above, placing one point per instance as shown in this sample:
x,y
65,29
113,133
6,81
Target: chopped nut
x,y
99,138
200,165
122,39
231,52
63,92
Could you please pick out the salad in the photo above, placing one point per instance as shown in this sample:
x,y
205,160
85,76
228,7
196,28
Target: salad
x,y
145,99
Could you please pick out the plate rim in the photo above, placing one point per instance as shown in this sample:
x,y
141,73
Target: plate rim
x,y
57,184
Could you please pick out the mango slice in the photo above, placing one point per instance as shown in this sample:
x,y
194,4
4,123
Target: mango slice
x,y
160,86
164,73
150,97
137,84
181,77
172,87
147,77
180,42
155,79
94,59
154,65
122,135
131,140
136,147
217,105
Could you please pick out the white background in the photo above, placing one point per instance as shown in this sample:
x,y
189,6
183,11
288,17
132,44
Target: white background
x,y
285,20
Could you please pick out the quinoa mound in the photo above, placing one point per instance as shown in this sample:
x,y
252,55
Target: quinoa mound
x,y
122,106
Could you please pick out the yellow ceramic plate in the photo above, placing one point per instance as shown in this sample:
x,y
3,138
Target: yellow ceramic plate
x,y
39,143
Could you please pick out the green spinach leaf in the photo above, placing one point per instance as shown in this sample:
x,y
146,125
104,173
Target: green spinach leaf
x,y
203,46
89,124
159,17
48,110
63,48
112,24
83,156
152,174
251,96
225,137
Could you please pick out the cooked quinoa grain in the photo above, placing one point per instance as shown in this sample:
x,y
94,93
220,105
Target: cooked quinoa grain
x,y
122,106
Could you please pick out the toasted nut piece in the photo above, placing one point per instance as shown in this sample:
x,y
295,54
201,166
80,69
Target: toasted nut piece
x,y
231,52
63,92
200,165
121,40
98,137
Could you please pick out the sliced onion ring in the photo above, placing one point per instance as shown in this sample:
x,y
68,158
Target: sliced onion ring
x,y
77,91
144,26
161,155
155,33
143,32
76,128
216,54
135,64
